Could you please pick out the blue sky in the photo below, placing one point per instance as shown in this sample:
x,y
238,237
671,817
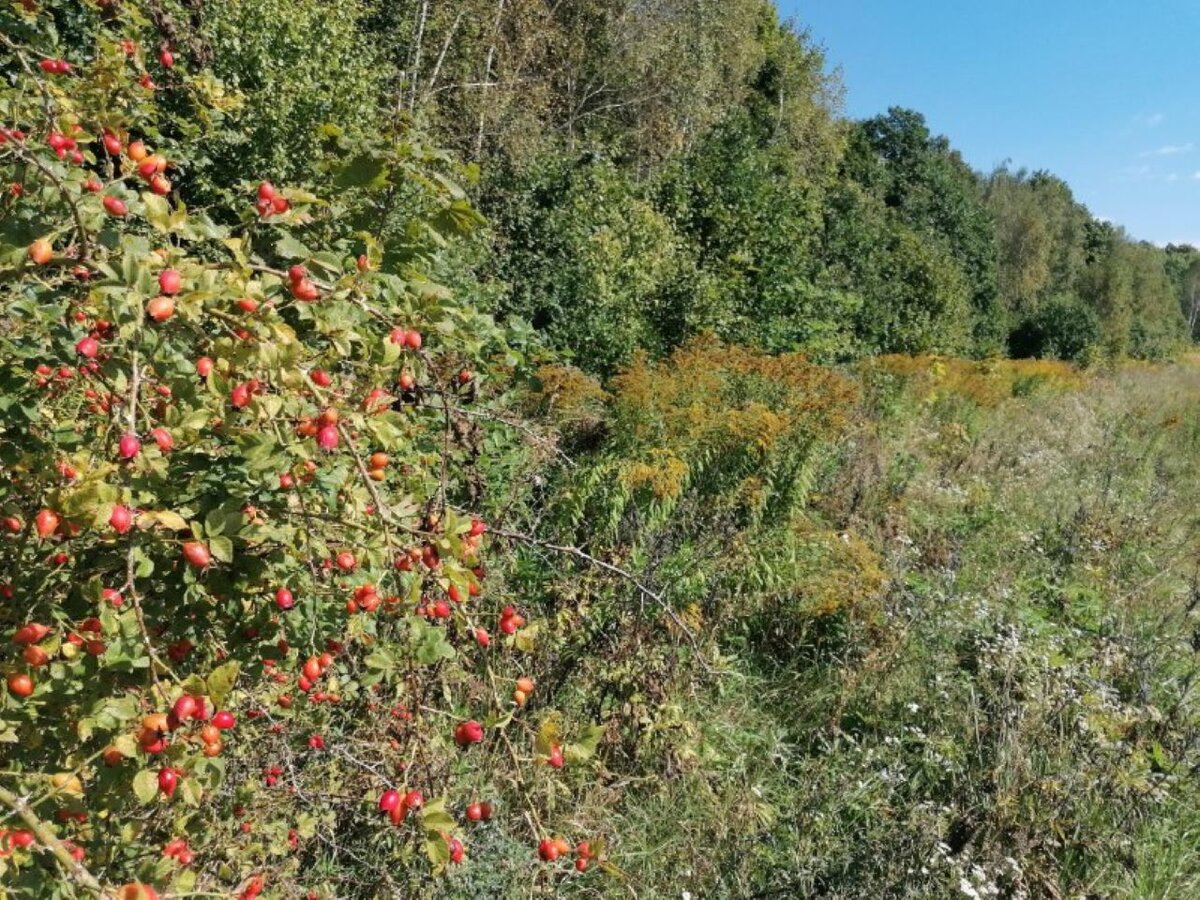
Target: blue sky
x,y
1105,94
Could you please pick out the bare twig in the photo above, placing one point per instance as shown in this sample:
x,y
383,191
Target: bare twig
x,y
606,566
539,439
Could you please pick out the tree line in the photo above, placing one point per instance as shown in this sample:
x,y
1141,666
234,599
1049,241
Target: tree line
x,y
653,170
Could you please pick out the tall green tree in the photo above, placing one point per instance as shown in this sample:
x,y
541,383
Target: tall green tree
x,y
934,194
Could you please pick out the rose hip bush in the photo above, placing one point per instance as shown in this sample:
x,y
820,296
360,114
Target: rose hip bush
x,y
250,641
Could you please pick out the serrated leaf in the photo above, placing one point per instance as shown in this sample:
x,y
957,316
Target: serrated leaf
x,y
585,747
225,519
430,644
163,517
526,639
145,786
126,745
438,852
221,549
362,171
184,882
435,818
191,791
380,660
158,211
221,681
290,248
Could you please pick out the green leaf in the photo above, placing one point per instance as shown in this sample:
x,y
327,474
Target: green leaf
x,y
194,684
438,852
184,882
585,747
362,171
430,644
290,248
158,211
191,790
526,639
163,517
225,519
221,681
435,818
221,548
127,746
145,786
380,660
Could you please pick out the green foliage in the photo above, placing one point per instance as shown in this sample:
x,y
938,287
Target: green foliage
x,y
292,540
932,192
280,70
1183,268
1061,328
917,300
988,707
590,264
754,211
754,221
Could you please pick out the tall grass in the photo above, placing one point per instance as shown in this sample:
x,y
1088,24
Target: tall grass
x,y
1016,717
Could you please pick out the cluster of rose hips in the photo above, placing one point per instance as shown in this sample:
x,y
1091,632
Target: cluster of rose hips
x,y
155,727
314,667
301,286
179,851
434,609
240,394
510,620
523,690
366,599
269,201
406,338
397,806
28,637
377,465
54,66
150,166
427,555
551,850
324,428
14,840
65,147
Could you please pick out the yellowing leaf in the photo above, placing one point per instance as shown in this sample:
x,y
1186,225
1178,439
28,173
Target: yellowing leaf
x,y
145,786
163,517
221,681
547,735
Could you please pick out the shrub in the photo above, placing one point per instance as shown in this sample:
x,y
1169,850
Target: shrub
x,y
242,560
1062,328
